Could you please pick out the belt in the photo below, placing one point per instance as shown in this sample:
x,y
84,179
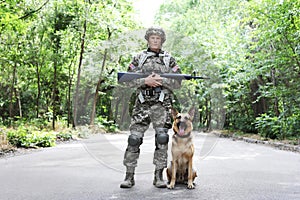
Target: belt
x,y
158,92
149,92
152,91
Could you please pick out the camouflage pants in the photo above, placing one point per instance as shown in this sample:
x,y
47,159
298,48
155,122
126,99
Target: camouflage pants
x,y
143,114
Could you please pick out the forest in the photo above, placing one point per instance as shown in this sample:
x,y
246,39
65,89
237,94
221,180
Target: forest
x,y
60,58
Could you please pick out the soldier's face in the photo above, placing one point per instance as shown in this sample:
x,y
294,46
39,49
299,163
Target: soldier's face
x,y
154,42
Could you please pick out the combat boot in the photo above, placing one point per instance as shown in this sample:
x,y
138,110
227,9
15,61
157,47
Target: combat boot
x,y
129,180
158,179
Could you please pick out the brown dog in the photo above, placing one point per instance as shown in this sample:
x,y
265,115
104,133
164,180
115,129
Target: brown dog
x,y
181,168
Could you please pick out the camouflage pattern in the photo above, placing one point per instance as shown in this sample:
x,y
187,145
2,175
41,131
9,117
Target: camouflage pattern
x,y
154,62
151,110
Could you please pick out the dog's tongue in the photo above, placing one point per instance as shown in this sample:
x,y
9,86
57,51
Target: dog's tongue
x,y
181,131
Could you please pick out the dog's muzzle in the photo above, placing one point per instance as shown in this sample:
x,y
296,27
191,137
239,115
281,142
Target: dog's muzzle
x,y
181,125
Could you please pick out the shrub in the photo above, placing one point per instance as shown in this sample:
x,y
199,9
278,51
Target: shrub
x,y
279,127
109,126
268,126
38,123
291,126
26,137
64,136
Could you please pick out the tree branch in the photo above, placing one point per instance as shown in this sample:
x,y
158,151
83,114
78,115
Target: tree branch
x,y
34,11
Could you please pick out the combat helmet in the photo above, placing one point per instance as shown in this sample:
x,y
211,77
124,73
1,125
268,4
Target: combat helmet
x,y
156,31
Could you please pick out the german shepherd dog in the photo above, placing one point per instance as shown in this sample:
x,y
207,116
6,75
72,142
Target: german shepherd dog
x,y
181,168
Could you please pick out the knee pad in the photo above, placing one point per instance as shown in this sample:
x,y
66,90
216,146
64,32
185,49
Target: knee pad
x,y
134,141
162,136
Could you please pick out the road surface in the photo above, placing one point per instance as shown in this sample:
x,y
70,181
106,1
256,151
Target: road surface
x,y
92,169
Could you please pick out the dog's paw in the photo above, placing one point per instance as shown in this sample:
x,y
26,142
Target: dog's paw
x,y
191,186
171,186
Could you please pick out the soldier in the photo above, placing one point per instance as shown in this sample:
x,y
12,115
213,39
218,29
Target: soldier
x,y
153,104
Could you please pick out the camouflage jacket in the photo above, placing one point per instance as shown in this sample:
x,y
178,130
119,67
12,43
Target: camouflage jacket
x,y
148,61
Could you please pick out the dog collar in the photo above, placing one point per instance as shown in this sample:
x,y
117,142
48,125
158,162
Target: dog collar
x,y
183,136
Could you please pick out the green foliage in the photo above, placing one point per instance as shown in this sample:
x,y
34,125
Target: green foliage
x,y
37,123
278,127
243,123
107,125
268,127
291,126
64,136
254,50
30,138
40,48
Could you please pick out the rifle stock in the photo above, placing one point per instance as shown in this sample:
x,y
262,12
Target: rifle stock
x,y
129,76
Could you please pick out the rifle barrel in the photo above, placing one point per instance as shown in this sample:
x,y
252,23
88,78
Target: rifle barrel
x,y
129,76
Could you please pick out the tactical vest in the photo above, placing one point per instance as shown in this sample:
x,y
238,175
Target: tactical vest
x,y
166,61
166,58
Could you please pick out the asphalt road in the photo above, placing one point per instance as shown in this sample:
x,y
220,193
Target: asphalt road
x,y
92,169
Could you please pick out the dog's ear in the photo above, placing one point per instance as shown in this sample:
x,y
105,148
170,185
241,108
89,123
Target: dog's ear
x,y
192,112
174,112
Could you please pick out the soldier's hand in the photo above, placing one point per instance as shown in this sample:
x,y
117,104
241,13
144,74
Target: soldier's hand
x,y
153,80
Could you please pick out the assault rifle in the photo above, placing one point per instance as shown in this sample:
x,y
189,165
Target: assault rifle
x,y
129,76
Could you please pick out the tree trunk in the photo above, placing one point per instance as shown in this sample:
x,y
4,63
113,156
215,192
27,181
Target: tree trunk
x,y
118,101
208,113
69,104
39,90
19,102
276,104
79,74
12,89
54,94
99,82
97,90
55,64
259,104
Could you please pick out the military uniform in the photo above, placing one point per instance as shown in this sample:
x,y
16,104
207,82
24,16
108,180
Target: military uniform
x,y
151,105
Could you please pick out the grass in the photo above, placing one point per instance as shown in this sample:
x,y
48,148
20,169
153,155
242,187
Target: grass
x,y
290,140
